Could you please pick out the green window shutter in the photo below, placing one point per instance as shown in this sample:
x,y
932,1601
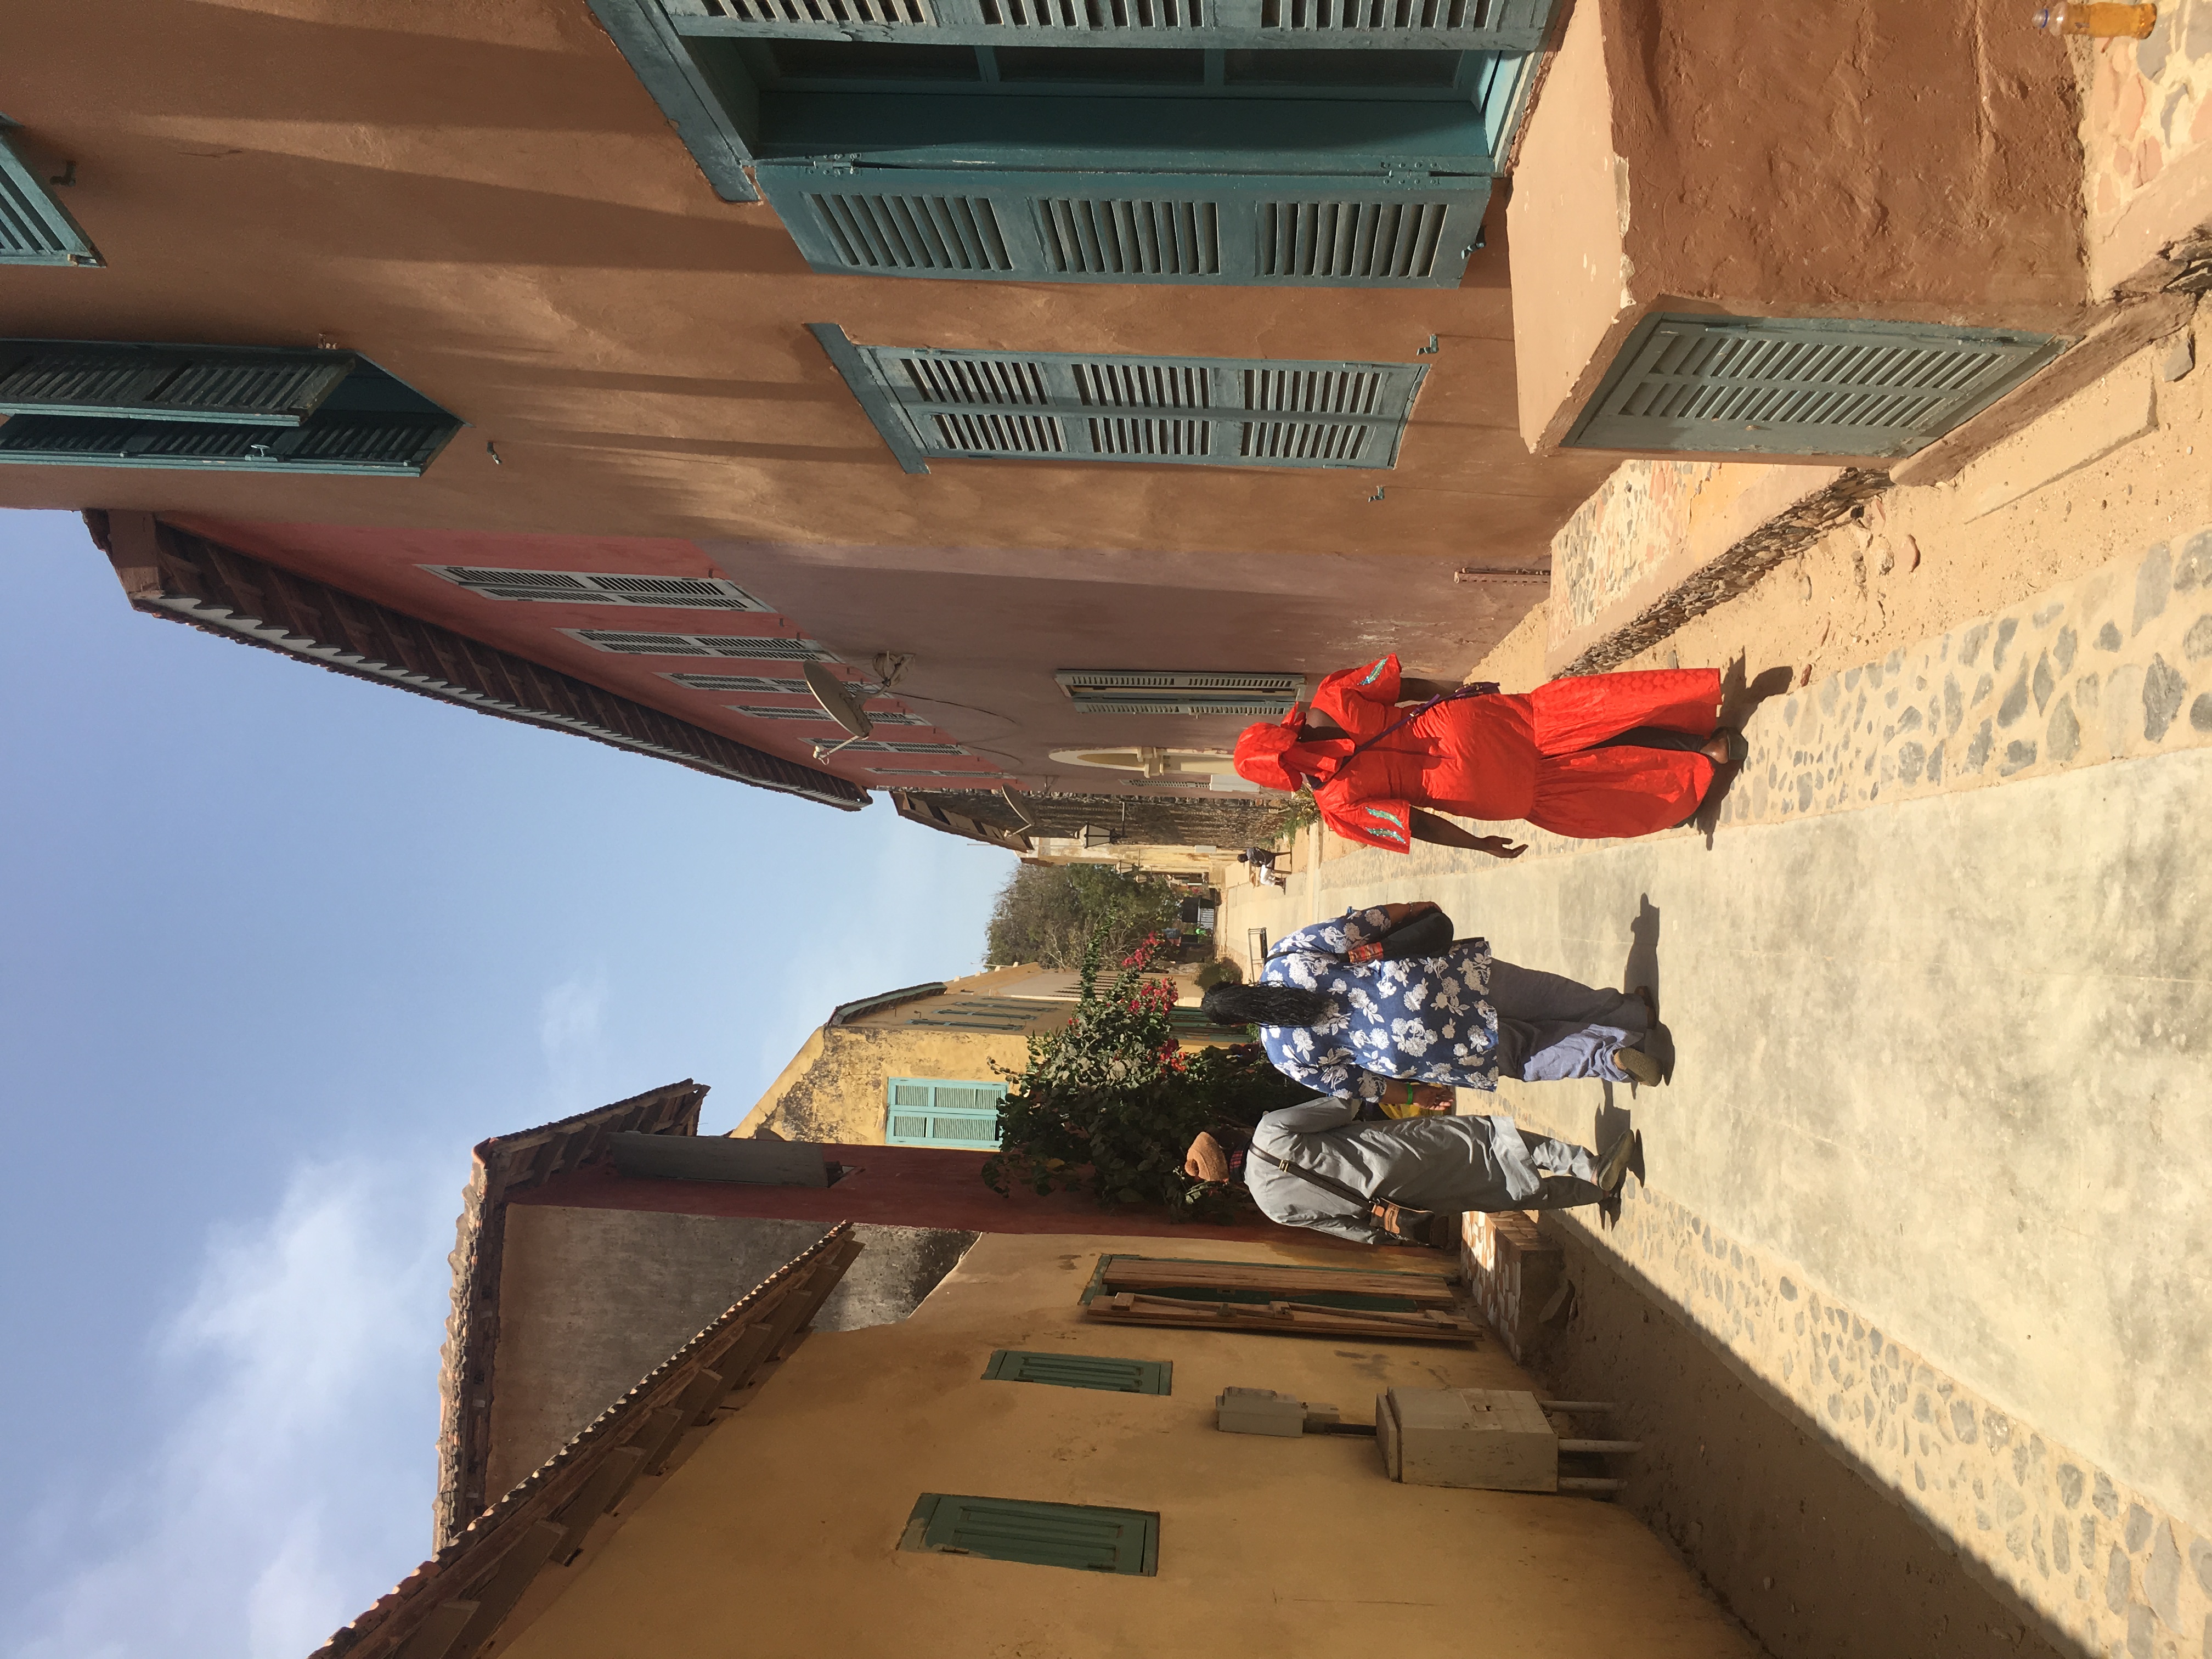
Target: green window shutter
x,y
1771,387
789,688
941,1112
395,446
1147,691
275,411
763,648
600,587
1024,225
1078,1535
35,229
1080,407
167,383
1081,1370
1511,25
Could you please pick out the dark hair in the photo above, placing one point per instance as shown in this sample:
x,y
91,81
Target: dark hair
x,y
1266,1005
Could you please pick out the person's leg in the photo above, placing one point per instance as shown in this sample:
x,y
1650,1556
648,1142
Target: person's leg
x,y
1560,1158
1563,1192
1531,997
1574,1175
1655,737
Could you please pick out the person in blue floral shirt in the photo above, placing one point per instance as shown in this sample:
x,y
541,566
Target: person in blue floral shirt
x,y
1342,1012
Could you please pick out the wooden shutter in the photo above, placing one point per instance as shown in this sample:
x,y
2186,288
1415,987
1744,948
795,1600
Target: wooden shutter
x,y
1150,692
1759,385
1511,25
599,587
766,647
207,383
1186,410
35,229
1378,231
792,688
1077,1535
1082,1370
393,445
938,1112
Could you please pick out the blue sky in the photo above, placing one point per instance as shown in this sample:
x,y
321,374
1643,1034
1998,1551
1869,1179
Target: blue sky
x,y
279,947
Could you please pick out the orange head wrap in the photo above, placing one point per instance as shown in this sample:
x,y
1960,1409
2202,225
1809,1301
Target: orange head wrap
x,y
1259,752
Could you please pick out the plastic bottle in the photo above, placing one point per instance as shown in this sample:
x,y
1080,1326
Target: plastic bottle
x,y
2098,17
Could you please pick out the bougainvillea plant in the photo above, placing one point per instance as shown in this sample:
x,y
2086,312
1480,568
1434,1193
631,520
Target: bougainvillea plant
x,y
1109,1102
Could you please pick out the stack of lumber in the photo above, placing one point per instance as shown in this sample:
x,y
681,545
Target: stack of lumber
x,y
1282,1298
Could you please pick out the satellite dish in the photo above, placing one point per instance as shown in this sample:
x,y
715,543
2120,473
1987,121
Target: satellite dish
x,y
837,703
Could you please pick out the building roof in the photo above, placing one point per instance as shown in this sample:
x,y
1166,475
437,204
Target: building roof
x,y
846,1012
502,1166
456,1601
172,572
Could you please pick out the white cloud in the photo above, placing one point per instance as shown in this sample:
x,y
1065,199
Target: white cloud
x,y
571,1034
293,1485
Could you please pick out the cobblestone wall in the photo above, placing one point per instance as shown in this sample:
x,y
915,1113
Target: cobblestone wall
x,y
2103,1566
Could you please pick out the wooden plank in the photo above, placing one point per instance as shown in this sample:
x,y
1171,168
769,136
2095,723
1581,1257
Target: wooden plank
x,y
739,1363
433,1637
497,1593
1128,1309
1127,1273
599,1493
660,1435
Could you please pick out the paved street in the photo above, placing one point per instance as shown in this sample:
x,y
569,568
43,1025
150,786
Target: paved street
x,y
1932,1165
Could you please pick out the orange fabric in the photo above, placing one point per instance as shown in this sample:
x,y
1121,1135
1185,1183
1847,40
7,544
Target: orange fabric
x,y
1502,757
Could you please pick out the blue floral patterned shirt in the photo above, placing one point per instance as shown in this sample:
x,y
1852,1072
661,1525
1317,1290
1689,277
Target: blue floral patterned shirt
x,y
1427,1019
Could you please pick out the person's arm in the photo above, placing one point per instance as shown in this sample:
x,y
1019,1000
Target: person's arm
x,y
1412,690
1343,1226
1308,1117
1443,832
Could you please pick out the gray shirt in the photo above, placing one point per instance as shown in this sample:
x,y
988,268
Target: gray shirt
x,y
1452,1164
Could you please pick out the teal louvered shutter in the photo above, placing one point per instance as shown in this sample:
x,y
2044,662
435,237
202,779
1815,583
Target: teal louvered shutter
x,y
392,445
1161,692
35,229
1773,387
942,1112
1074,226
1081,1370
1199,411
1078,1535
212,384
1507,25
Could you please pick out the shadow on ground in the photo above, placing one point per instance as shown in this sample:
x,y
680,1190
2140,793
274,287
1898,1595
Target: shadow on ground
x,y
1816,1562
1740,700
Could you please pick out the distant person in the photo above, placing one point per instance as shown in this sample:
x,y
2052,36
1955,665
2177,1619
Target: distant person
x,y
1310,1165
1383,1006
1592,755
1262,866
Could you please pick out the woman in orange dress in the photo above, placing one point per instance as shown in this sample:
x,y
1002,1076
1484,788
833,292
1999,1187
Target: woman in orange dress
x,y
1595,755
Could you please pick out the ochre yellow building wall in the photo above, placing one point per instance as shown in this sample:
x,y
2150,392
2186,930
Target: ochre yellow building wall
x,y
778,1539
834,1088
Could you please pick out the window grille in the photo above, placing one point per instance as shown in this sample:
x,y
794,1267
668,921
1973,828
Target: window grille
x,y
599,587
1002,405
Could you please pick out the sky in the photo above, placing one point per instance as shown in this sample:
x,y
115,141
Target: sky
x,y
277,948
